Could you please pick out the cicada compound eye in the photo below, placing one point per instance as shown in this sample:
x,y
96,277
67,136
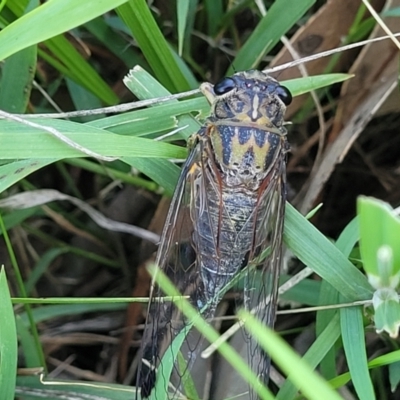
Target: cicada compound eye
x,y
225,85
284,94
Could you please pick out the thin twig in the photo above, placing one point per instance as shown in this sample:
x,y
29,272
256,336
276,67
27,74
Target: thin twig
x,y
382,24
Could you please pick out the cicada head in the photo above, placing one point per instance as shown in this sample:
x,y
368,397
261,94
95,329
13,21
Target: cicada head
x,y
249,97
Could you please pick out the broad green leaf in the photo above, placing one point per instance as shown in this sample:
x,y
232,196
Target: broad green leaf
x,y
379,227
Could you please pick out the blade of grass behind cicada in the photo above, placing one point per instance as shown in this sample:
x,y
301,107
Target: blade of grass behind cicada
x,y
166,366
187,381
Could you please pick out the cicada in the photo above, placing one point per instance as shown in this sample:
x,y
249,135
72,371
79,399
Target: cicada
x,y
225,220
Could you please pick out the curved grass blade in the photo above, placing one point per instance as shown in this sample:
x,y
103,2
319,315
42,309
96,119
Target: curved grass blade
x,y
54,17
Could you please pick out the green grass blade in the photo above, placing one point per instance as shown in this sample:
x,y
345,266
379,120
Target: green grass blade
x,y
317,351
166,366
353,336
48,312
68,61
54,17
125,176
163,172
309,383
349,237
305,292
16,80
381,361
215,12
303,85
28,344
317,252
268,32
21,141
188,383
144,86
17,7
329,295
15,218
14,171
182,10
156,120
83,99
21,290
8,341
138,18
115,43
35,387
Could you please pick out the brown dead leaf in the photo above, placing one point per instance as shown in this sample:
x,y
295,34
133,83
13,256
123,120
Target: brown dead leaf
x,y
375,79
375,63
323,31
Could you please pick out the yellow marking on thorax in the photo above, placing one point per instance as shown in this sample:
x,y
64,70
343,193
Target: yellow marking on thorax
x,y
239,150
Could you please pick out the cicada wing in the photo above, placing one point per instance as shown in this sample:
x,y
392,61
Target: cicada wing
x,y
261,288
259,277
176,258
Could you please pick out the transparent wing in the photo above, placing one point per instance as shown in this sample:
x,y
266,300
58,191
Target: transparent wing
x,y
261,289
176,257
258,280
